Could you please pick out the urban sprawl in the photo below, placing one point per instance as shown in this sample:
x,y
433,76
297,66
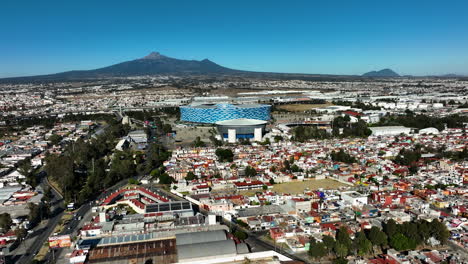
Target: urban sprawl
x,y
171,169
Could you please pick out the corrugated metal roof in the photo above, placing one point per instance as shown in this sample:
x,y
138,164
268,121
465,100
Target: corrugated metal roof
x,y
203,250
200,237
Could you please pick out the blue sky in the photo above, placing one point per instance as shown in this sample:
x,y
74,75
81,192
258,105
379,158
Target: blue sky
x,y
310,36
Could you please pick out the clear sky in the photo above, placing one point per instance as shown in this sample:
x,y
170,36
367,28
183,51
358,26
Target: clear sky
x,y
310,36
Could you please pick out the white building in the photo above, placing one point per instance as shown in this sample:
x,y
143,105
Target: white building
x,y
354,198
390,130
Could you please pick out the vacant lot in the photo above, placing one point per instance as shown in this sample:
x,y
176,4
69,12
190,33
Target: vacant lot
x,y
300,186
301,107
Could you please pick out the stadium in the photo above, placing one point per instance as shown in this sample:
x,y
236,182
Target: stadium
x,y
212,113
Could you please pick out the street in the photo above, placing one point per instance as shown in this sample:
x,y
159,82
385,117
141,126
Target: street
x,y
28,249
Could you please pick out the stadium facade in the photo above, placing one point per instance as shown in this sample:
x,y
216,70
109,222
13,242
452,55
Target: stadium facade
x,y
212,113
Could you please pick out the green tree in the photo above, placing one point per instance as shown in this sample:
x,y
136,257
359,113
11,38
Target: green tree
x,y
167,128
21,233
390,227
340,261
341,250
27,171
400,242
377,237
440,231
342,156
240,235
55,139
166,179
362,244
329,243
317,249
250,172
190,176
278,138
198,143
224,155
343,238
5,222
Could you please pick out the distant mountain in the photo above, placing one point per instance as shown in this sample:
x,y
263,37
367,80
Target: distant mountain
x,y
152,64
381,73
158,64
451,75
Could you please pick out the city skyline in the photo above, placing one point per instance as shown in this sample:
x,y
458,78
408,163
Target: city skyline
x,y
420,38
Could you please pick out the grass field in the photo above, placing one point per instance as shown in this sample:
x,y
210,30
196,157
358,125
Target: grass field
x,y
301,107
300,186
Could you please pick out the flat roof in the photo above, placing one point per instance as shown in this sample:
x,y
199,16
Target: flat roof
x,y
241,122
169,206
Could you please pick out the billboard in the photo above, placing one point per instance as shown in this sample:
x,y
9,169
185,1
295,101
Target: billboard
x,y
59,241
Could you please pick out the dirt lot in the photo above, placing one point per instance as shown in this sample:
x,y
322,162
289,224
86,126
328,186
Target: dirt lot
x,y
302,107
300,186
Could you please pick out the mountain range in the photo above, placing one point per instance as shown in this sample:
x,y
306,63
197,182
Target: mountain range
x,y
381,73
156,63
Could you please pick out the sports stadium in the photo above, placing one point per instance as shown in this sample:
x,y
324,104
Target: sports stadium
x,y
212,113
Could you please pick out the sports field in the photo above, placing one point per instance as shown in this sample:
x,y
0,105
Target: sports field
x,y
299,186
301,107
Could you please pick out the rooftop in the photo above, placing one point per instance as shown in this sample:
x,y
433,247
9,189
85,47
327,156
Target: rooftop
x,y
241,122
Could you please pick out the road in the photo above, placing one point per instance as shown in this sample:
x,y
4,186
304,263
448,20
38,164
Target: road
x,y
41,233
75,224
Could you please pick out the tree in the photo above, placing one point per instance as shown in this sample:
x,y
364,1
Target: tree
x,y
21,233
390,228
341,250
362,244
250,172
133,181
27,171
295,168
329,243
264,187
55,139
317,249
167,128
342,156
377,237
166,179
340,261
278,138
198,143
440,231
5,222
224,155
240,235
47,197
400,242
190,176
287,165
424,230
342,237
